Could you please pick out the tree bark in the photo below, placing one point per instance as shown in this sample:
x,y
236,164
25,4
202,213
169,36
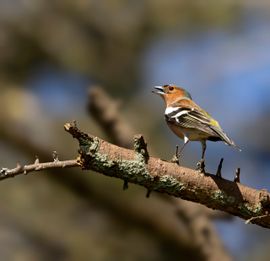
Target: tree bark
x,y
135,166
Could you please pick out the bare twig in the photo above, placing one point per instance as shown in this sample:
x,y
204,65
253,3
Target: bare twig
x,y
8,173
254,218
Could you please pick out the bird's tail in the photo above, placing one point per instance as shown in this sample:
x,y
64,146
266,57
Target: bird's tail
x,y
223,136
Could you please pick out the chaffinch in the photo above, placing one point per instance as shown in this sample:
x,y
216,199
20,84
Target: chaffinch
x,y
187,120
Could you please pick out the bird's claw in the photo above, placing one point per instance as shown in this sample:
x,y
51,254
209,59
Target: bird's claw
x,y
176,157
201,166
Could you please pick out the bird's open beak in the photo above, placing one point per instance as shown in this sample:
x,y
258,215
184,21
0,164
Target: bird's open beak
x,y
158,90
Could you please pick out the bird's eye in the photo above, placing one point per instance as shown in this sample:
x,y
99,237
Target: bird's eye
x,y
171,88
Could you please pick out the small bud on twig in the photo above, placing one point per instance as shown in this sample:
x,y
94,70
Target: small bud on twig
x,y
55,156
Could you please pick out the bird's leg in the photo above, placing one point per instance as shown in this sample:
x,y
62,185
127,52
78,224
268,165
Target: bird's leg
x,y
201,163
176,157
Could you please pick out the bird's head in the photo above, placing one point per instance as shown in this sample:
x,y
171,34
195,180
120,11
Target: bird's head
x,y
171,93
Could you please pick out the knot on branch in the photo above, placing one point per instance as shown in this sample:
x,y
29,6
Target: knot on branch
x,y
140,147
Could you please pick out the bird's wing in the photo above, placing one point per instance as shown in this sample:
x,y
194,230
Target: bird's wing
x,y
190,118
195,118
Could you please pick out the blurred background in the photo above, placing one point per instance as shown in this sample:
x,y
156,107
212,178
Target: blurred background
x,y
52,52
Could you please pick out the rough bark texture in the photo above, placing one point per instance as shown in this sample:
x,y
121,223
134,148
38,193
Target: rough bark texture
x,y
158,175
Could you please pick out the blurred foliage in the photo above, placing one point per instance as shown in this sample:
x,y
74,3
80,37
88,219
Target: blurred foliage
x,y
68,215
102,39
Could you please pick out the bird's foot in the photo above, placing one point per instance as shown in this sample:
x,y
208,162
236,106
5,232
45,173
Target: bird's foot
x,y
201,166
176,156
175,160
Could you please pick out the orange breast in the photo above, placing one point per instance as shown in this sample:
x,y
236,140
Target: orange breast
x,y
176,130
192,134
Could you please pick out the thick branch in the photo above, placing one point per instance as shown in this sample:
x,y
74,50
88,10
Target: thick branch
x,y
165,177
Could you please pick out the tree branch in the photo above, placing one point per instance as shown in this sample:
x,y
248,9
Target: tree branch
x,y
158,175
165,177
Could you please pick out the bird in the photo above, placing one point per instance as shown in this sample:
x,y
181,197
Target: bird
x,y
188,120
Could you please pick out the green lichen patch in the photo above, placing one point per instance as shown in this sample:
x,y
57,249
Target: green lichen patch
x,y
223,198
170,184
251,210
135,170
